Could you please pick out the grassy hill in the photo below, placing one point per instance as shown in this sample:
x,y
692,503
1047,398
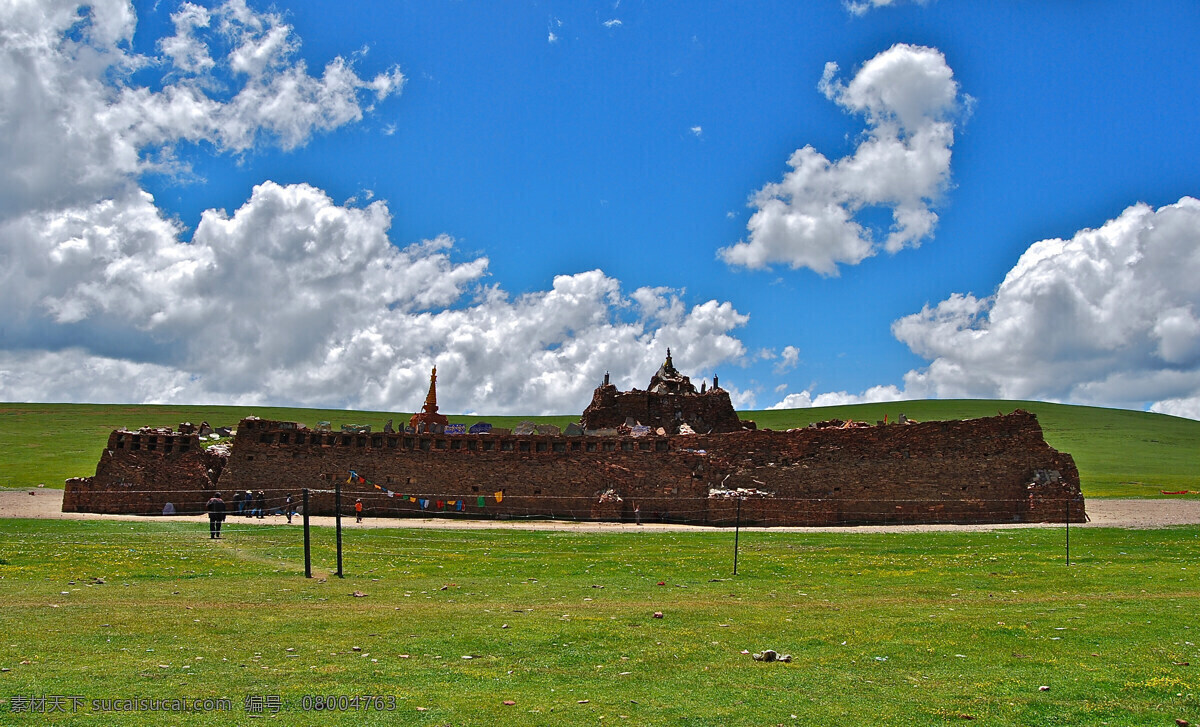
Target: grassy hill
x,y
1119,452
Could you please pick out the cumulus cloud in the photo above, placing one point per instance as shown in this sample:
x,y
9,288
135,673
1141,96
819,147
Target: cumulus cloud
x,y
805,399
77,128
614,23
909,98
292,298
1110,317
789,358
295,299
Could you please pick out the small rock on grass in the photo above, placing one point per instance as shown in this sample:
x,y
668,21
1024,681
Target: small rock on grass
x,y
772,655
1043,688
509,703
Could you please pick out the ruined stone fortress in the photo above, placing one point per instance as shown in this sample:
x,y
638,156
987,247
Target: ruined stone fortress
x,y
669,453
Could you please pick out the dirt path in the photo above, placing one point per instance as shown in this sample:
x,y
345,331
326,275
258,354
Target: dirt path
x,y
47,504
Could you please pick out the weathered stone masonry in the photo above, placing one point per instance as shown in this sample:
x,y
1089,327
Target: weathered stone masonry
x,y
631,461
997,469
141,471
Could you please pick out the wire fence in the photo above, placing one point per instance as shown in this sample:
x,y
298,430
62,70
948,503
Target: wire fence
x,y
761,510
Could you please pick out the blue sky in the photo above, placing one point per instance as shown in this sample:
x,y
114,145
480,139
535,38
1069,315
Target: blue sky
x,y
531,193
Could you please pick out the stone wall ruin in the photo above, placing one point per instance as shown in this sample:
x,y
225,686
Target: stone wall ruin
x,y
995,469
668,454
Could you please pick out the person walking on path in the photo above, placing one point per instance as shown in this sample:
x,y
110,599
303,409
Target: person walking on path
x,y
260,504
288,508
637,514
216,515
239,502
358,510
248,501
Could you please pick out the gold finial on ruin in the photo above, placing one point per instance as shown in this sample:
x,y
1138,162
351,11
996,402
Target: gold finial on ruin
x,y
431,397
429,412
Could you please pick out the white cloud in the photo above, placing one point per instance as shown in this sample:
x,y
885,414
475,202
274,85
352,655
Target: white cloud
x,y
614,23
909,97
789,359
291,299
1188,407
187,53
805,399
77,128
697,131
551,37
860,7
1109,317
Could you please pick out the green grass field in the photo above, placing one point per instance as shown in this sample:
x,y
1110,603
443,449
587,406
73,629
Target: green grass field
x,y
923,629
1119,452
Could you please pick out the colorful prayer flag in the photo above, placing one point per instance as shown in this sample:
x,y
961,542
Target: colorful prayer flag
x,y
479,501
500,496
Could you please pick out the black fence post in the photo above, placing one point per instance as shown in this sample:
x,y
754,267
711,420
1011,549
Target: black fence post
x,y
1068,530
337,497
307,542
737,531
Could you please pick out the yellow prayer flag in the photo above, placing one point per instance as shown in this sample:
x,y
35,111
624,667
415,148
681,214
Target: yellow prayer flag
x,y
500,496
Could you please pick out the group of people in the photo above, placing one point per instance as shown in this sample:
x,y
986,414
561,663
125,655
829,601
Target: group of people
x,y
249,504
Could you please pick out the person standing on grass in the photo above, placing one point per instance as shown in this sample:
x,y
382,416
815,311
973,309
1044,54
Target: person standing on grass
x,y
216,515
358,510
260,504
288,509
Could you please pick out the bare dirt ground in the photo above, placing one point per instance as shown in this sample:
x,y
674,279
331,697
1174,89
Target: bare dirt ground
x,y
46,503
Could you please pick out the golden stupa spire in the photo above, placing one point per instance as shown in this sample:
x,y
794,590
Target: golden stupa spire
x,y
429,412
431,397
